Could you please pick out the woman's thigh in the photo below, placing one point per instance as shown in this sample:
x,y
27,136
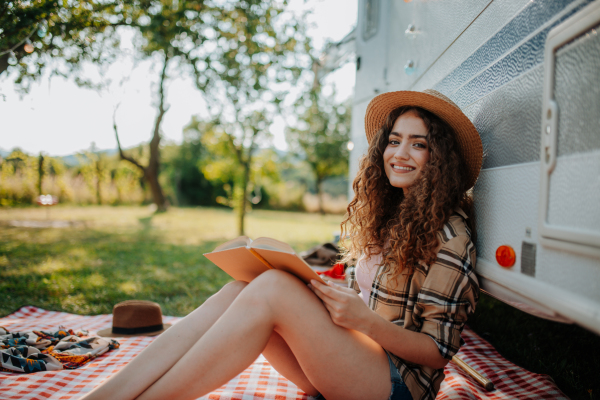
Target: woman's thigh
x,y
340,363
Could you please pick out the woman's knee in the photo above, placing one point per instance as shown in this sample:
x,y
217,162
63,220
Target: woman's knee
x,y
275,277
275,283
224,297
232,289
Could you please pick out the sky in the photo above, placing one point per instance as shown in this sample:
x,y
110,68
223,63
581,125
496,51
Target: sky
x,y
58,118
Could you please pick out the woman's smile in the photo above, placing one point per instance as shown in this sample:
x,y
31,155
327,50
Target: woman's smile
x,y
407,151
402,168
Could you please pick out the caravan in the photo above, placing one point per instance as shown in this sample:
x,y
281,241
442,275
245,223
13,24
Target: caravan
x,y
527,73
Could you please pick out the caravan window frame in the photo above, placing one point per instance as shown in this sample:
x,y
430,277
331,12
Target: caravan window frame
x,y
371,19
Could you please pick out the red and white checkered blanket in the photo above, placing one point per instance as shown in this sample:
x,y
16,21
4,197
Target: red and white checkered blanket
x,y
260,380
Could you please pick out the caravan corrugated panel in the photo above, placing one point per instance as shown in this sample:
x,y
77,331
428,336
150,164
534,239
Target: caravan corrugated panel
x,y
488,57
575,180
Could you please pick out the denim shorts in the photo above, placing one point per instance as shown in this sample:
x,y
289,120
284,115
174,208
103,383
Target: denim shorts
x,y
399,388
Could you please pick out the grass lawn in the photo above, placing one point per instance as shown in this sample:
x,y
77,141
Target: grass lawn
x,y
120,253
111,254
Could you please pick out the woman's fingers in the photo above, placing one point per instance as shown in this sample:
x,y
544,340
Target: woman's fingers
x,y
330,290
335,297
329,302
343,304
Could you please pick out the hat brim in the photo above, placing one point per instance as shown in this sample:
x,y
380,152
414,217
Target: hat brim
x,y
108,332
467,137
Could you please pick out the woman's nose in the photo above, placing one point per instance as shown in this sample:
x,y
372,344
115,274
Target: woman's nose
x,y
401,152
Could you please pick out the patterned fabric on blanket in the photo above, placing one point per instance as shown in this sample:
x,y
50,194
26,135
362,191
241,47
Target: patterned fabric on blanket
x,y
34,351
260,380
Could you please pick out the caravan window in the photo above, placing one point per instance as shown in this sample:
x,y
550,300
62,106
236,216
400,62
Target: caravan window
x,y
371,19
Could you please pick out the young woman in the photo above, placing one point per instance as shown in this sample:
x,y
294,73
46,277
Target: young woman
x,y
414,277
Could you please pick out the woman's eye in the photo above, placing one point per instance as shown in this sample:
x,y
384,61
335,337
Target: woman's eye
x,y
421,145
394,142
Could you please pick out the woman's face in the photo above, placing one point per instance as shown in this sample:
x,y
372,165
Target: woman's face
x,y
407,151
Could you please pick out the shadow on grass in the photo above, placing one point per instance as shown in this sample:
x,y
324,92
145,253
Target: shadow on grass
x,y
568,353
88,271
146,222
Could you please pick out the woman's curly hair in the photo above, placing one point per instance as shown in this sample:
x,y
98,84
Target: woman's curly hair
x,y
382,219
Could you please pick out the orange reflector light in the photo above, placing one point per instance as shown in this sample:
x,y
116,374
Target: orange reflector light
x,y
505,255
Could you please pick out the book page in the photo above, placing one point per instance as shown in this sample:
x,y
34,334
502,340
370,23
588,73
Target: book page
x,y
239,263
290,263
240,241
271,244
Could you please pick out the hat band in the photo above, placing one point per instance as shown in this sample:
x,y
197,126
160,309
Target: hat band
x,y
132,331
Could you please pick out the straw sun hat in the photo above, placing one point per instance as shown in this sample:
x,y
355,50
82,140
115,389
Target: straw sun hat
x,y
467,137
135,318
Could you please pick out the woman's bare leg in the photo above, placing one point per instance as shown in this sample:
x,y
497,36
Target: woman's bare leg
x,y
341,363
167,349
284,361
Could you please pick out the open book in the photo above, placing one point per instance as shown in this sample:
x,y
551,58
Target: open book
x,y
244,259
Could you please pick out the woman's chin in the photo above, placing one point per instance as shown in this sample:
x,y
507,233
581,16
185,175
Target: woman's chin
x,y
401,183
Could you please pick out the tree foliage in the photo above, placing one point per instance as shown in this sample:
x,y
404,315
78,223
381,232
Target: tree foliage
x,y
321,135
218,164
68,30
260,53
217,39
183,167
244,55
235,51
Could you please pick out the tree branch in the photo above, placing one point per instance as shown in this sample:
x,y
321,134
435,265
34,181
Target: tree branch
x,y
252,147
121,153
238,152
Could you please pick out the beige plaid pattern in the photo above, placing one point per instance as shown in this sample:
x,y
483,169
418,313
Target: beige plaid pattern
x,y
436,300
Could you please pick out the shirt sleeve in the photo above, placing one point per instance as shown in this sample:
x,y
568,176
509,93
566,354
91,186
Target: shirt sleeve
x,y
448,295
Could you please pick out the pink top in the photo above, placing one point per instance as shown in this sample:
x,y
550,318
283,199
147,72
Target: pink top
x,y
365,274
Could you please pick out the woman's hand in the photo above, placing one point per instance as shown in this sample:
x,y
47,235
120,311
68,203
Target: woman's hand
x,y
346,308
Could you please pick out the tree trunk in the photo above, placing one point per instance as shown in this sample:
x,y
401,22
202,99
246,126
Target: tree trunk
x,y
40,173
98,179
152,170
320,194
157,194
119,195
244,198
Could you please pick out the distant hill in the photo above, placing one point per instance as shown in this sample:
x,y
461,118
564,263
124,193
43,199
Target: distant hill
x,y
71,160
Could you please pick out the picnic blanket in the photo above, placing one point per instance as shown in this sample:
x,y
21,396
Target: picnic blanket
x,y
260,380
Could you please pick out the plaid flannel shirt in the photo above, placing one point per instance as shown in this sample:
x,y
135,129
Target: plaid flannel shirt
x,y
434,300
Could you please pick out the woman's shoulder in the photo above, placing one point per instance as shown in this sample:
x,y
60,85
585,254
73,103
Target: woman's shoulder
x,y
456,227
455,244
456,257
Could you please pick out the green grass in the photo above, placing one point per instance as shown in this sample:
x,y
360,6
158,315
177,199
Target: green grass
x,y
118,253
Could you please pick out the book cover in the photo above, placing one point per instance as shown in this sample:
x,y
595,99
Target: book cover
x,y
244,259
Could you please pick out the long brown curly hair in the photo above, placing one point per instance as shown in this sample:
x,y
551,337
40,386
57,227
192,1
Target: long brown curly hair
x,y
381,218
